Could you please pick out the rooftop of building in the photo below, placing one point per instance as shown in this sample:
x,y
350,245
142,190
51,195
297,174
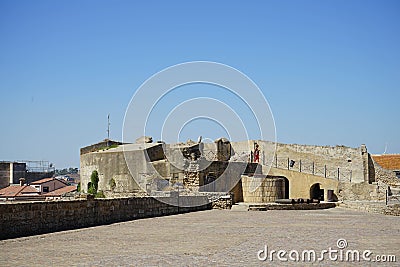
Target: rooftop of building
x,y
61,191
45,180
388,161
17,190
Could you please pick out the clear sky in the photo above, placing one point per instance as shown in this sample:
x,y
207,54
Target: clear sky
x,y
330,70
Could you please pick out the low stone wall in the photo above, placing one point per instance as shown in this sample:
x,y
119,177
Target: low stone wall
x,y
223,203
302,206
373,207
385,176
25,219
362,191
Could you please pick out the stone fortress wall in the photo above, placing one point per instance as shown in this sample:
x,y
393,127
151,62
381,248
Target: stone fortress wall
x,y
345,158
110,165
359,177
350,172
33,218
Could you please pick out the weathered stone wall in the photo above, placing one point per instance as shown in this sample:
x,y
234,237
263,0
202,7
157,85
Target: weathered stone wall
x,y
331,157
223,203
385,176
361,191
261,189
237,192
102,145
302,206
24,219
300,183
112,165
373,207
346,158
155,152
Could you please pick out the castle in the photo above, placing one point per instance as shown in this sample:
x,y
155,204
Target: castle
x,y
281,171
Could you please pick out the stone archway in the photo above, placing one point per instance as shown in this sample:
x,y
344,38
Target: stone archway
x,y
316,192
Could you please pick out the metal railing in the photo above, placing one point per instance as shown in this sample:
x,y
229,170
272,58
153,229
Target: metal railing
x,y
311,167
303,166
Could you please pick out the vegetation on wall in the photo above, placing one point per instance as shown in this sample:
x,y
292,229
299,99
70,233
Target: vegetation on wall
x,y
93,185
112,184
99,194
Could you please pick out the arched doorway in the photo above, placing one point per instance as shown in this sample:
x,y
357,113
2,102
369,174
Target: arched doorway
x,y
316,192
286,187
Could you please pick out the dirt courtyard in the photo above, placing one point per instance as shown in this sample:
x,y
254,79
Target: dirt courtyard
x,y
218,238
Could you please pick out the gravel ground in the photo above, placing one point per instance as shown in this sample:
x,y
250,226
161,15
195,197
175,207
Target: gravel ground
x,y
213,238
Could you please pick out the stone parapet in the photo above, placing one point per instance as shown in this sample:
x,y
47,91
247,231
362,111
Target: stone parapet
x,y
25,219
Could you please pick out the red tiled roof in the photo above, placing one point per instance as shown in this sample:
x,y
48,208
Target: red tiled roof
x,y
17,190
60,191
390,162
28,189
45,180
42,181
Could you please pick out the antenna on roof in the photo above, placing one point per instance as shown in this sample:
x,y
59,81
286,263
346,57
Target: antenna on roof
x,y
108,127
385,148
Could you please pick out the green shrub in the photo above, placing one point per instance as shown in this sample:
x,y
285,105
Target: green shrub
x,y
93,185
99,194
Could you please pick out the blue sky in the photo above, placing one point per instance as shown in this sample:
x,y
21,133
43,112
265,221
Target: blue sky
x,y
330,70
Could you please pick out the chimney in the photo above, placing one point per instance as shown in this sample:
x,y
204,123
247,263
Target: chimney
x,y
21,181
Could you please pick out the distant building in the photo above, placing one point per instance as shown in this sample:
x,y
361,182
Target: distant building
x,y
58,193
20,192
70,178
12,171
48,185
45,189
389,162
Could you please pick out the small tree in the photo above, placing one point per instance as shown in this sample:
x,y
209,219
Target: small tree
x,y
93,185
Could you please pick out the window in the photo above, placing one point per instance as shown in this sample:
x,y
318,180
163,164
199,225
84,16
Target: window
x,y
45,189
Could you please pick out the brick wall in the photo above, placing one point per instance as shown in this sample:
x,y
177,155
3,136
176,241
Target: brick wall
x,y
25,219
